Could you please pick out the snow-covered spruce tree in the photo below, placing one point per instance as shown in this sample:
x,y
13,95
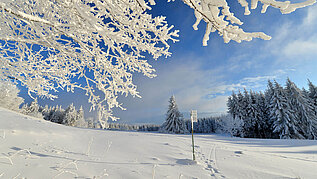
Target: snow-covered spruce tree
x,y
48,44
304,111
312,123
248,109
32,109
241,113
90,123
227,124
46,112
9,98
313,95
232,104
284,117
58,115
70,116
80,119
174,122
269,92
264,122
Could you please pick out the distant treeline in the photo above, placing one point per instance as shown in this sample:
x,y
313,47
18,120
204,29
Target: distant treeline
x,y
127,127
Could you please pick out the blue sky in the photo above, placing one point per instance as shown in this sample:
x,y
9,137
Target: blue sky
x,y
202,77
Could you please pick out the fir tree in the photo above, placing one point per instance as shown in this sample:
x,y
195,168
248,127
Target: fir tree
x,y
233,105
80,118
9,96
313,95
305,114
70,117
282,115
32,109
264,122
58,115
174,120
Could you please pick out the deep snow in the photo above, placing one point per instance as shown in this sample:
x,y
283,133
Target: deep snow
x,y
41,149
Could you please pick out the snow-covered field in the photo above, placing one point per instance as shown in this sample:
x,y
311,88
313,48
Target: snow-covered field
x,y
34,148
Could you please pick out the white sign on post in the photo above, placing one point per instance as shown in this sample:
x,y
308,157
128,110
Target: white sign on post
x,y
193,115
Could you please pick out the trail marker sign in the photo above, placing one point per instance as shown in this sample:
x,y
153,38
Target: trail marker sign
x,y
193,115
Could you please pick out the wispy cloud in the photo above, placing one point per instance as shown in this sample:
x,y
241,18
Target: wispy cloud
x,y
301,47
194,87
311,18
295,38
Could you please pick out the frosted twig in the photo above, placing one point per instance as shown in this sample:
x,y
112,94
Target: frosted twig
x,y
180,176
103,174
89,146
153,171
218,17
108,148
66,171
16,176
73,162
5,157
4,134
22,150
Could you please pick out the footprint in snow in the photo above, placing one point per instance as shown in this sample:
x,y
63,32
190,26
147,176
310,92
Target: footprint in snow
x,y
186,162
238,153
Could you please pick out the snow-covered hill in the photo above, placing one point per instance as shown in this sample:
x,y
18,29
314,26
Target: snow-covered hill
x,y
37,149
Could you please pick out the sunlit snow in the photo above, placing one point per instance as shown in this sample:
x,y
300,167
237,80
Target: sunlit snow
x,y
35,148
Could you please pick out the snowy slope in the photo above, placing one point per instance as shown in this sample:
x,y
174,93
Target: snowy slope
x,y
40,149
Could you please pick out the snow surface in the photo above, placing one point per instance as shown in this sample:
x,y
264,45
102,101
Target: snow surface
x,y
34,148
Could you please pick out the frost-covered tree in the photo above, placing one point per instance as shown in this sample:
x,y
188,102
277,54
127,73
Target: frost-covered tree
x,y
70,116
313,95
46,112
284,117
232,104
240,108
58,115
32,109
228,124
247,108
48,44
90,123
304,111
9,98
80,119
264,122
174,122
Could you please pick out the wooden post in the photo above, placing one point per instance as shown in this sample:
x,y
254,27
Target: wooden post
x,y
193,118
193,140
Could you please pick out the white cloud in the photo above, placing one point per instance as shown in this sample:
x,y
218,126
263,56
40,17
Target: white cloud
x,y
301,47
295,37
311,18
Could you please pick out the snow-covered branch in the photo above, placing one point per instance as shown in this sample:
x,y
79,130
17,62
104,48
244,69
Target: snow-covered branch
x,y
218,17
49,44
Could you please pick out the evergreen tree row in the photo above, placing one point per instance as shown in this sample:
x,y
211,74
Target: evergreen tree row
x,y
203,125
127,127
281,112
69,117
